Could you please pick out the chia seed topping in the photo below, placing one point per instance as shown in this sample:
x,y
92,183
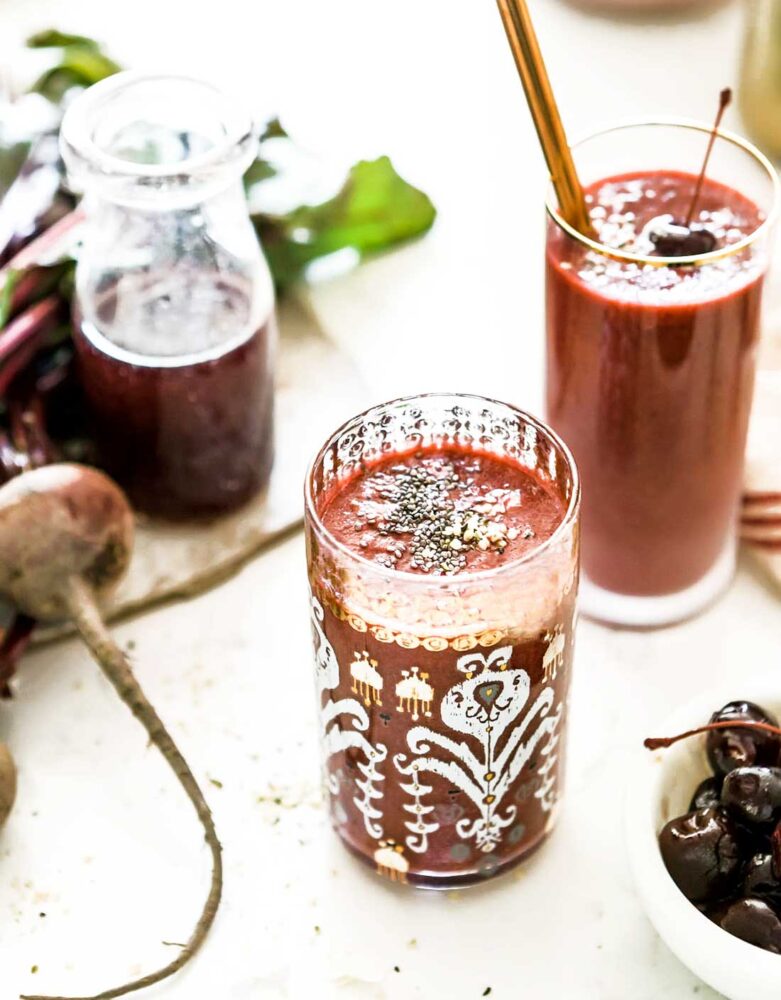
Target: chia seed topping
x,y
443,513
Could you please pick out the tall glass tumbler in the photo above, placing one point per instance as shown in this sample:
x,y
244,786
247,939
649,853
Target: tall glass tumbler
x,y
443,699
650,364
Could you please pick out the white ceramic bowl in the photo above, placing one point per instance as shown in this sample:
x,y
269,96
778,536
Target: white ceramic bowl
x,y
660,788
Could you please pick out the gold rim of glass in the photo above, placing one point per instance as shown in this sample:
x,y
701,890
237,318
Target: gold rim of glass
x,y
424,579
696,260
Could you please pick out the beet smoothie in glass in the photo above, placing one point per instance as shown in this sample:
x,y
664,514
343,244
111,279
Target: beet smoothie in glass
x,y
651,358
442,543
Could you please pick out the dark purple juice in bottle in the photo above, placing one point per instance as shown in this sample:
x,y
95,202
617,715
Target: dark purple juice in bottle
x,y
189,432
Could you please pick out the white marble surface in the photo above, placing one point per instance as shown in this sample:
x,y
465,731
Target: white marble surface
x,y
101,841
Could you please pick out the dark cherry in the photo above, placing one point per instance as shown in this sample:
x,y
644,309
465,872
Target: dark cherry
x,y
754,839
702,854
731,748
673,238
715,911
760,881
753,795
754,921
707,795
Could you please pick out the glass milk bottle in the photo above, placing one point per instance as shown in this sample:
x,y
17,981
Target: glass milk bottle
x,y
174,308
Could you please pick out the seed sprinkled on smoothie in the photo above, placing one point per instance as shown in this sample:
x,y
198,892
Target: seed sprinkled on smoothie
x,y
443,512
629,211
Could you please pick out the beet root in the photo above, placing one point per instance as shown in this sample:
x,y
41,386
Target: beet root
x,y
66,536
56,523
7,782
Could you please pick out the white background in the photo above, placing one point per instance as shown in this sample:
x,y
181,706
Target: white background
x,y
101,841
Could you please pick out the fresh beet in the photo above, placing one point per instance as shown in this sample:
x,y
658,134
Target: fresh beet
x,y
60,524
7,782
66,535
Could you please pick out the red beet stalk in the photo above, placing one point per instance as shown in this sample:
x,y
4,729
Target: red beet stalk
x,y
23,337
30,285
13,644
48,246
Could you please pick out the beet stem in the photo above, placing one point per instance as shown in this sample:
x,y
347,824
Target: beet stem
x,y
87,619
21,340
33,284
14,642
10,464
46,245
29,423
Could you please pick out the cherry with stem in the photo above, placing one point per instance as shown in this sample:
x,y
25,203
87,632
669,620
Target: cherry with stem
x,y
674,238
725,97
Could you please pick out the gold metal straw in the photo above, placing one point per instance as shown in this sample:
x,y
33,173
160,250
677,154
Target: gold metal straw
x,y
547,120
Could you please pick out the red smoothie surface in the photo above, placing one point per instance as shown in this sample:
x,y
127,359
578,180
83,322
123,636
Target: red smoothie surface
x,y
650,374
443,511
443,756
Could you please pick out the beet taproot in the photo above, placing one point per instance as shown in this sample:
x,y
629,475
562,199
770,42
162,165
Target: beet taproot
x,y
66,537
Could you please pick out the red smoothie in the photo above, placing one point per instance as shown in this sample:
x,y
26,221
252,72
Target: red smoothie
x,y
650,374
449,770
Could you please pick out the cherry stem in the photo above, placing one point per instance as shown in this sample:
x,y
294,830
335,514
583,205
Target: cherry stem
x,y
662,742
724,100
32,284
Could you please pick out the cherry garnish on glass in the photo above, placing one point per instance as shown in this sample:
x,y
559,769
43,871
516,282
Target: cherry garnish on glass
x,y
676,238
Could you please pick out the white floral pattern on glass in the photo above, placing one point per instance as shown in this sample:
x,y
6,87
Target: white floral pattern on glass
x,y
343,724
483,707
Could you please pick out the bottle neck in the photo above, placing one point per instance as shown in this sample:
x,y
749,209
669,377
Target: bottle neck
x,y
149,139
170,266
